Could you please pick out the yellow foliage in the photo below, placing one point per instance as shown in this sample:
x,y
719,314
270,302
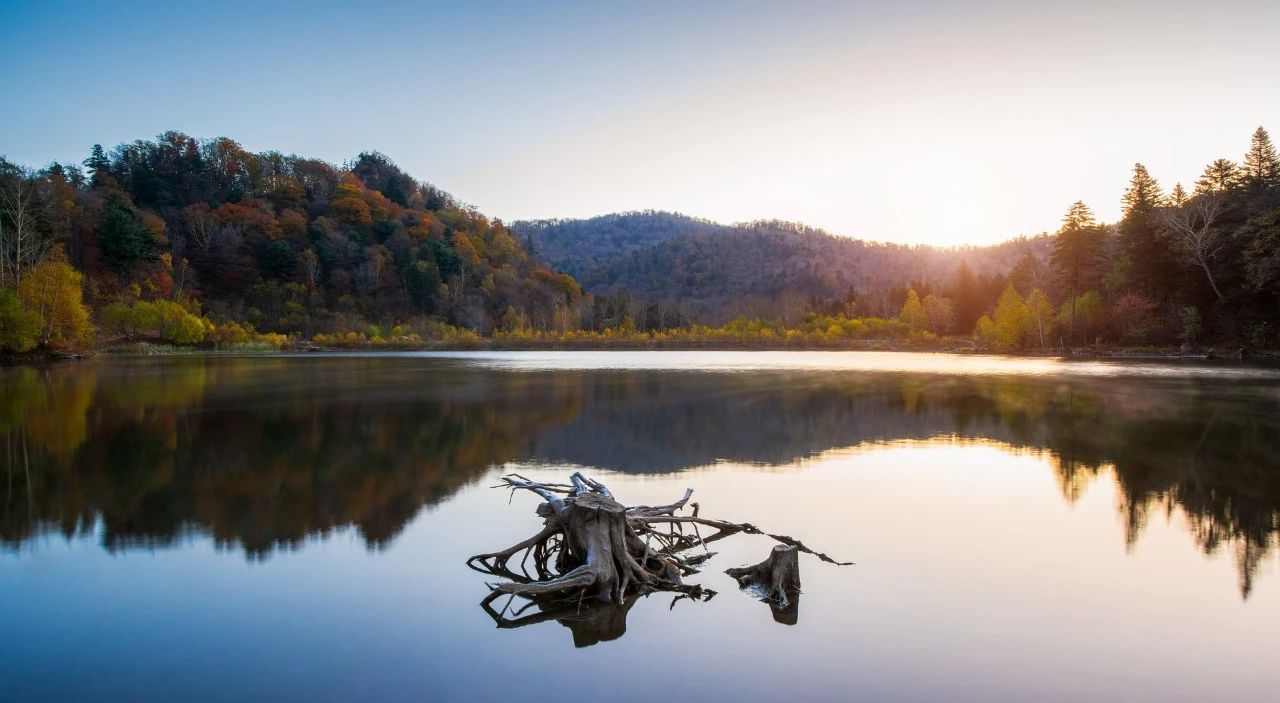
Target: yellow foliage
x,y
52,289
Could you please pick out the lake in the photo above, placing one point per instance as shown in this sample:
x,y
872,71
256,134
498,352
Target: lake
x,y
297,527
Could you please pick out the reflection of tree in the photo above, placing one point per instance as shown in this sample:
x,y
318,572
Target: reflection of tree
x,y
1208,449
266,452
175,449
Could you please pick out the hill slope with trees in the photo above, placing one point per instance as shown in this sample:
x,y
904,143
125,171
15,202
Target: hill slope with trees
x,y
761,268
196,242
286,244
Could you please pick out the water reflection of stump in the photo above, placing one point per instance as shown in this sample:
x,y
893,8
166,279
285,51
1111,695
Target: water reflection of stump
x,y
590,623
788,614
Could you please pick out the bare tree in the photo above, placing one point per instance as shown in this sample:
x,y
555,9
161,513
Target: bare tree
x,y
22,242
1192,232
202,226
311,269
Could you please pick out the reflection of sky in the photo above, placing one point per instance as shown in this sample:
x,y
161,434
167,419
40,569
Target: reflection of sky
x,y
974,580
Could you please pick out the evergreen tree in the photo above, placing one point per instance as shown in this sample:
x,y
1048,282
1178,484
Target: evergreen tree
x,y
395,191
1177,196
1261,164
98,165
423,281
1154,268
1078,217
1220,176
125,241
967,298
1077,253
1143,194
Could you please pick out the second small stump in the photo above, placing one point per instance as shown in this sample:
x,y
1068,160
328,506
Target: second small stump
x,y
777,577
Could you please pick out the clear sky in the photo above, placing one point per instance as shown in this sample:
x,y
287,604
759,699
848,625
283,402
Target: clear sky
x,y
931,122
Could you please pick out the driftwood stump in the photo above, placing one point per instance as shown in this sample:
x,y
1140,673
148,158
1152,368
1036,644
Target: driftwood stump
x,y
776,580
592,548
777,577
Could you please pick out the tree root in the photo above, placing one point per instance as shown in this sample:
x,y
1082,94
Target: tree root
x,y
593,549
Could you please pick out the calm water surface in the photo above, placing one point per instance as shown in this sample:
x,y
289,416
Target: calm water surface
x,y
296,527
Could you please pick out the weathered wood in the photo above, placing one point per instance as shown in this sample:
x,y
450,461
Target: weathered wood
x,y
776,581
593,548
777,577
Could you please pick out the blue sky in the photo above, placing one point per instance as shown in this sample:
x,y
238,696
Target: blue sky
x,y
928,122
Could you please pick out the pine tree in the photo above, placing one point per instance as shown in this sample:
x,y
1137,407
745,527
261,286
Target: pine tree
x,y
967,297
1218,177
98,165
1143,194
1077,252
1261,164
1154,269
1078,217
1177,196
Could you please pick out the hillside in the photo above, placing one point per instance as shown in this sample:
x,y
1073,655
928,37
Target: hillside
x,y
285,243
719,270
579,246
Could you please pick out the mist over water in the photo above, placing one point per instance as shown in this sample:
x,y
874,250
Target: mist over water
x,y
209,527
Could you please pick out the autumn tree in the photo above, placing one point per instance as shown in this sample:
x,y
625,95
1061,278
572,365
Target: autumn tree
x,y
52,290
1085,312
1040,315
1133,316
913,312
19,327
941,313
1012,320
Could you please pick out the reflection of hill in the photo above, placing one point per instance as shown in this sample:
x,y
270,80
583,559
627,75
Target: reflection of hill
x,y
254,459
266,452
678,421
1209,449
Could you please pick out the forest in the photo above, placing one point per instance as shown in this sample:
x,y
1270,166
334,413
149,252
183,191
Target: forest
x,y
758,269
188,242
194,241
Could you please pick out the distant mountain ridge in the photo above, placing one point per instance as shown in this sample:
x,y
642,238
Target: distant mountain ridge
x,y
655,255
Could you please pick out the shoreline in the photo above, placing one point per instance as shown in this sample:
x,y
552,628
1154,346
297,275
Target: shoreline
x,y
1165,354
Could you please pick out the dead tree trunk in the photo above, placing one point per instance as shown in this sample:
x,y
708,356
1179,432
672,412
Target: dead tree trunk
x,y
591,546
777,577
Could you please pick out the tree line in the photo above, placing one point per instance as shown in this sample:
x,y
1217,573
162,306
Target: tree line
x,y
202,242
1189,267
